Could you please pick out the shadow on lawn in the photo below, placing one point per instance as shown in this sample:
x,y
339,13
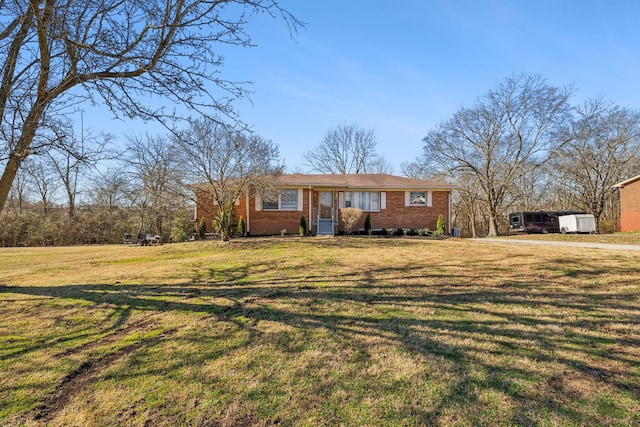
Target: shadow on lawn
x,y
578,332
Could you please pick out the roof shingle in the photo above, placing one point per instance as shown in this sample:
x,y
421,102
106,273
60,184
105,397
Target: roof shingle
x,y
364,181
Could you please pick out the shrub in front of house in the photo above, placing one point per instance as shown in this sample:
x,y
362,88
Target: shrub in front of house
x,y
240,227
440,226
350,216
367,225
302,228
202,229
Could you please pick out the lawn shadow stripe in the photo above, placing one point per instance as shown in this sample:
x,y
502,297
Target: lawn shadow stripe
x,y
77,380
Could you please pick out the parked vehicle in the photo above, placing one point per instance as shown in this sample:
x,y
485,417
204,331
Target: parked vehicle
x,y
537,221
577,223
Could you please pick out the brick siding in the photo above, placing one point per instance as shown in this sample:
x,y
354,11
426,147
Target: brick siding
x,y
630,207
396,215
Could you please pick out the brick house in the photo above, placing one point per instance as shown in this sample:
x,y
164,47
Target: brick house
x,y
392,202
629,204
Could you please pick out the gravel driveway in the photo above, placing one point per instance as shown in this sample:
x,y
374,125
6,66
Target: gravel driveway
x,y
610,246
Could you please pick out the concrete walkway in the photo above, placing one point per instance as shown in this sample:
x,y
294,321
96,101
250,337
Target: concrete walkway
x,y
609,246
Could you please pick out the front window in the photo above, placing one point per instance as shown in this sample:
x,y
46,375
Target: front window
x,y
286,199
289,199
270,200
418,198
365,200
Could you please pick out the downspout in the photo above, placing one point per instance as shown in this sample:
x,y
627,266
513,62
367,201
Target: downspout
x,y
449,213
310,220
248,227
195,214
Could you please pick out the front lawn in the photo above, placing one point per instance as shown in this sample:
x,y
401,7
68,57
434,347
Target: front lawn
x,y
319,331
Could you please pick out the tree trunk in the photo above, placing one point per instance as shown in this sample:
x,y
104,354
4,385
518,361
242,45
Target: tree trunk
x,y
493,225
9,174
472,223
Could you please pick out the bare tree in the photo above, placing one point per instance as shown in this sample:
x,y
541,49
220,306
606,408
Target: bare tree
x,y
72,156
380,165
226,163
44,181
606,151
415,169
57,54
346,149
508,132
155,176
19,191
111,189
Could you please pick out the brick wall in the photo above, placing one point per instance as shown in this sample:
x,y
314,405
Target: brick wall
x,y
396,215
271,222
630,207
206,209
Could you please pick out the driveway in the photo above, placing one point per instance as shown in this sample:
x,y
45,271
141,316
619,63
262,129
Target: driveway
x,y
609,246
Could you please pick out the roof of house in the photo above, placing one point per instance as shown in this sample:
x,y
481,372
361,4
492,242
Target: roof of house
x,y
627,182
364,181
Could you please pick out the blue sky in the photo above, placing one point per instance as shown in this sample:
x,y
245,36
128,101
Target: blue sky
x,y
401,67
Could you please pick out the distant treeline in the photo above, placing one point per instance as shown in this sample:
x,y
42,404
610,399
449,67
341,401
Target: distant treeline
x,y
89,225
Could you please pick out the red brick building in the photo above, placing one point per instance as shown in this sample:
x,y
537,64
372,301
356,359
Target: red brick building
x,y
630,204
391,201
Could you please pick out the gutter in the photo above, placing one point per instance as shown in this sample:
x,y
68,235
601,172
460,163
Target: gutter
x,y
310,220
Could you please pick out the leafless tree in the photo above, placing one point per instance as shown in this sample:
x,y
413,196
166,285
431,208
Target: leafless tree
x,y
19,192
414,169
508,132
226,163
467,202
380,165
43,181
111,189
72,156
346,149
605,152
58,54
153,166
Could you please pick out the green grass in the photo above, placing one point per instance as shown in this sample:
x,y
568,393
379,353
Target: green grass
x,y
305,331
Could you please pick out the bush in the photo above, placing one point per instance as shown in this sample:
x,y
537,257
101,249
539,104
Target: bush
x,y
182,228
240,227
202,229
302,228
440,226
367,225
350,217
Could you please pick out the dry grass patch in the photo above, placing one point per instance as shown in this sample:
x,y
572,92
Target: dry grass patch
x,y
302,331
616,238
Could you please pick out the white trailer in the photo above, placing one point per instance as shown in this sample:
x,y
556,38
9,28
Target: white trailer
x,y
577,223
